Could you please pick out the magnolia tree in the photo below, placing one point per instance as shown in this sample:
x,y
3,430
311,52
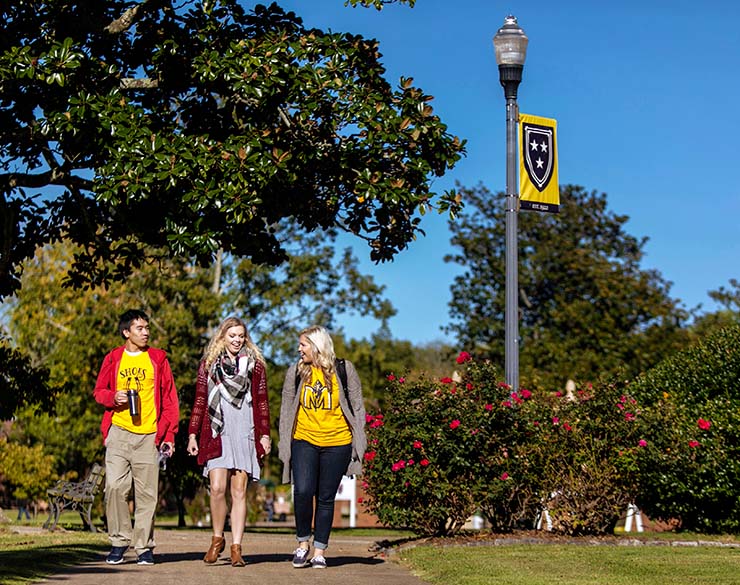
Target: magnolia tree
x,y
132,127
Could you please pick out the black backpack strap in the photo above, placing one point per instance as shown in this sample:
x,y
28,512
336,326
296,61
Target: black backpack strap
x,y
341,369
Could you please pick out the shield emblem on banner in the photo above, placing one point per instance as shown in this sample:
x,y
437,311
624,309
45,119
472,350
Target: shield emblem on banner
x,y
539,153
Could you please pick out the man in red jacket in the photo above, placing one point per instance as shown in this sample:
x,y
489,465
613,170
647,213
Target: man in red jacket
x,y
136,386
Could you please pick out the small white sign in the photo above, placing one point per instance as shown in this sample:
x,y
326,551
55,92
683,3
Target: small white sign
x,y
348,492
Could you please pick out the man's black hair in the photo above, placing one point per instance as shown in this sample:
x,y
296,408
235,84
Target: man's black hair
x,y
125,320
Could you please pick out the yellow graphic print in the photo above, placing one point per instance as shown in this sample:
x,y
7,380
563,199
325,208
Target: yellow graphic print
x,y
133,378
317,397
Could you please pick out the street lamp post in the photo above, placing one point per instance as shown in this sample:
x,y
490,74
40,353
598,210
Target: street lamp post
x,y
510,44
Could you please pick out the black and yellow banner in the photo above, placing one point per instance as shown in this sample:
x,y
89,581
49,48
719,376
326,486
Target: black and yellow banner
x,y
538,164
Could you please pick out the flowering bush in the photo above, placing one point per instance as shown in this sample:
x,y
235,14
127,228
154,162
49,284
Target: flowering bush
x,y
446,448
690,471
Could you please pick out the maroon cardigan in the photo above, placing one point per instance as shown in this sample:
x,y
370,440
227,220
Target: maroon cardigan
x,y
200,423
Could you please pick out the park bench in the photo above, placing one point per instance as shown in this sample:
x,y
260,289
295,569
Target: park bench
x,y
75,495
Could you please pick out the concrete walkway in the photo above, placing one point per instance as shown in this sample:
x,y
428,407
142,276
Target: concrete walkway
x,y
179,559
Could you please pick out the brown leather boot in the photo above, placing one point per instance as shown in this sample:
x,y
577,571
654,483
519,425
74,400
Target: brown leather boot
x,y
218,544
236,556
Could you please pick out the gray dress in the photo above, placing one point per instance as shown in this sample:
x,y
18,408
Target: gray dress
x,y
238,450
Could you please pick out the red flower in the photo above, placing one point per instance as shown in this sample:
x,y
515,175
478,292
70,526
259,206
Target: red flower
x,y
468,386
629,416
503,385
567,427
558,393
402,379
424,462
506,403
446,380
526,394
504,476
555,420
642,443
360,500
390,377
454,424
410,462
694,444
376,423
463,357
703,424
369,418
488,407
370,455
417,444
398,465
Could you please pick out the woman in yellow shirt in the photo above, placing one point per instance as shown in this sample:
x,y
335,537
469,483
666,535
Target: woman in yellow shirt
x,y
322,438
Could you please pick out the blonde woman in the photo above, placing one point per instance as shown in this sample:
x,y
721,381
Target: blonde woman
x,y
322,438
229,428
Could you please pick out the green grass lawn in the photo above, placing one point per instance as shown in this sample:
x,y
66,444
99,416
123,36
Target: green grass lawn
x,y
574,565
28,557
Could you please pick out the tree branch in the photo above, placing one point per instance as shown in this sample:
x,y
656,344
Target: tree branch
x,y
126,20
51,177
138,83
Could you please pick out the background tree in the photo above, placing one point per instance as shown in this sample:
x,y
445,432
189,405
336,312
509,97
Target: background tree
x,y
20,382
587,306
28,470
68,331
138,129
728,314
317,284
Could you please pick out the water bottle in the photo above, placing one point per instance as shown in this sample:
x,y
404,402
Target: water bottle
x,y
133,403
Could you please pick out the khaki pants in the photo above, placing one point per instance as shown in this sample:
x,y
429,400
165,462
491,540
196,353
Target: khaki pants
x,y
131,460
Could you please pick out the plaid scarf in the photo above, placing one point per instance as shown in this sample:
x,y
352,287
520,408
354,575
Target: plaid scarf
x,y
231,379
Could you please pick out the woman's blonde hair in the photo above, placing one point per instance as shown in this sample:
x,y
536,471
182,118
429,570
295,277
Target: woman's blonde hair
x,y
323,352
217,345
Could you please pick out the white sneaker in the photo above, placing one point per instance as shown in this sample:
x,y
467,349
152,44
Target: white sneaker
x,y
318,562
300,557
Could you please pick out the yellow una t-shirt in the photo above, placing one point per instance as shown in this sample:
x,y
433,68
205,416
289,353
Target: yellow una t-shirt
x,y
136,372
320,419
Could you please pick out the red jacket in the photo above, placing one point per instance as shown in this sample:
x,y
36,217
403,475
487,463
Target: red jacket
x,y
165,393
209,447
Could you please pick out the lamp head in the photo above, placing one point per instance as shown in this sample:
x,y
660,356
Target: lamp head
x,y
510,43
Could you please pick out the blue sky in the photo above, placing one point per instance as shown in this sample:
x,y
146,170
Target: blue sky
x,y
645,95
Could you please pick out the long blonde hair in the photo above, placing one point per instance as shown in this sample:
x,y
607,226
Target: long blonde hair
x,y
323,352
217,345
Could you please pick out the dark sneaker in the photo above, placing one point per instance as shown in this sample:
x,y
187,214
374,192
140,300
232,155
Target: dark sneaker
x,y
318,562
115,556
145,558
300,557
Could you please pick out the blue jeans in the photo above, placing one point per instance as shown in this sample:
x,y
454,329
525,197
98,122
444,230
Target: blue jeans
x,y
317,473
